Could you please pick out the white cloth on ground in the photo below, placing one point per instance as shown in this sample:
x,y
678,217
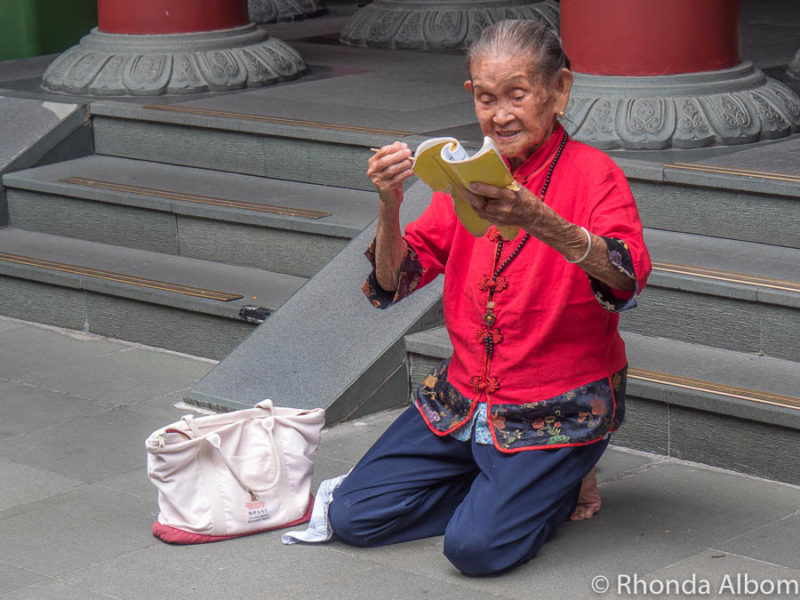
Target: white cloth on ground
x,y
319,527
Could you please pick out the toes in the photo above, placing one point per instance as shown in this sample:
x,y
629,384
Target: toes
x,y
584,511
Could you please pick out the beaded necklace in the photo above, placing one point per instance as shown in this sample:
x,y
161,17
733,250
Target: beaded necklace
x,y
492,334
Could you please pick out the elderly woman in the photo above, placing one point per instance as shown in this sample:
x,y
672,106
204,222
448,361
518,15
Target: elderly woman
x,y
503,434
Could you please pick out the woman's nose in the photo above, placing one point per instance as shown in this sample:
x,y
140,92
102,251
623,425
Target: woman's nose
x,y
502,116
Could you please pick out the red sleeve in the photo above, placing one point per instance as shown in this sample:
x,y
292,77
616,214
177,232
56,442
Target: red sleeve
x,y
428,239
614,215
431,236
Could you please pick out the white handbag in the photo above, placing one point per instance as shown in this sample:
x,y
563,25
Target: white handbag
x,y
233,474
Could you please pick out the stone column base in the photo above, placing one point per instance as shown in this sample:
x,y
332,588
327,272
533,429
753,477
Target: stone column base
x,y
104,64
269,11
421,25
715,108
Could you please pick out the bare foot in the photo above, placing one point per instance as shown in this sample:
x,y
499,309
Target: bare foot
x,y
588,498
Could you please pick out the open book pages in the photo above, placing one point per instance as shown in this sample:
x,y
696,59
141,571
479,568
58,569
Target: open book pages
x,y
444,164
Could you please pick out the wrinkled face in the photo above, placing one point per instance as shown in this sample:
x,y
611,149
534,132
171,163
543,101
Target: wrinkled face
x,y
517,110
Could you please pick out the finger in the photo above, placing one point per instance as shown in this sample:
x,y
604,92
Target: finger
x,y
478,203
392,152
398,167
389,164
400,177
487,191
391,184
389,148
391,177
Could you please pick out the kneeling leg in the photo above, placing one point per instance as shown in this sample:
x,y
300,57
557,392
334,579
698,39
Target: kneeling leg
x,y
406,486
514,505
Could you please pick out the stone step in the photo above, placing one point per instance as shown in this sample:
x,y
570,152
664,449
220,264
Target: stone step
x,y
240,142
183,304
728,294
751,195
682,396
699,197
271,224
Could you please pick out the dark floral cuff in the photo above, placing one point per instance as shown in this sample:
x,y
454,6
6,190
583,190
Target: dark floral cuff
x,y
410,277
620,256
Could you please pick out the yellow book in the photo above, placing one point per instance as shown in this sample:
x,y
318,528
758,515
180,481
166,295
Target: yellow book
x,y
444,164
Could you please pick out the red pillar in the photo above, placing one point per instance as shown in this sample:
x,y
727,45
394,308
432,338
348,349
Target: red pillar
x,y
640,37
169,16
655,74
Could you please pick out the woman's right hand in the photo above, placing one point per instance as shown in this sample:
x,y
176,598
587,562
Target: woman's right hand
x,y
388,168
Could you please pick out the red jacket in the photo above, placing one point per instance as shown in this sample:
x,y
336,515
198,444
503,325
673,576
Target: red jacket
x,y
556,336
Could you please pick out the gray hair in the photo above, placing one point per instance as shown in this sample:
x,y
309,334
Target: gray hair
x,y
521,37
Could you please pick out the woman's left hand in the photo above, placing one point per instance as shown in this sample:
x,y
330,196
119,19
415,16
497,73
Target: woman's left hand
x,y
504,206
522,208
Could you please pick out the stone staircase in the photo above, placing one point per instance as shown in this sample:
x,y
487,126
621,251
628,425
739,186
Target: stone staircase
x,y
713,345
190,225
186,228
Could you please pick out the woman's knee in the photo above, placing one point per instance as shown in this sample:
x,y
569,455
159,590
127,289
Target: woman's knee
x,y
344,522
474,555
478,553
466,553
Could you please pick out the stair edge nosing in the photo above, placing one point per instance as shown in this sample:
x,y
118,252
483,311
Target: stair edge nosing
x,y
239,216
646,172
746,292
243,126
126,291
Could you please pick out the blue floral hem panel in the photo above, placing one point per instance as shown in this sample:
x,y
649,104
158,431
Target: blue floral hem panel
x,y
477,428
620,257
579,416
410,276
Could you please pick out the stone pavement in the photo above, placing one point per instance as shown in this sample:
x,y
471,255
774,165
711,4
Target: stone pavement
x,y
76,506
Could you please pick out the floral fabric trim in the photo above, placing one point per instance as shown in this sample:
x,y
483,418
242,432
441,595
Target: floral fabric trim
x,y
410,277
441,404
579,416
620,257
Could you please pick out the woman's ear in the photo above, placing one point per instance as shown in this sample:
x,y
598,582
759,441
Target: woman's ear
x,y
468,85
563,87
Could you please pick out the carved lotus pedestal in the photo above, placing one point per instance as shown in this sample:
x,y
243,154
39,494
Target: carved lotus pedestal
x,y
113,64
655,75
269,11
434,25
724,107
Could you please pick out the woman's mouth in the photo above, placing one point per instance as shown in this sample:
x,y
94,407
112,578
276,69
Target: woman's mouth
x,y
506,135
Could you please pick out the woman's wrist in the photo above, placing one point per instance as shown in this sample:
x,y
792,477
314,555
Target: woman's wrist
x,y
582,257
554,230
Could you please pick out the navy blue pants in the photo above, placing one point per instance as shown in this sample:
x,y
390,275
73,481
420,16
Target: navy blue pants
x,y
495,509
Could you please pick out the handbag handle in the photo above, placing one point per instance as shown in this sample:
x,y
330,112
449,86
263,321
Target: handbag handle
x,y
216,442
